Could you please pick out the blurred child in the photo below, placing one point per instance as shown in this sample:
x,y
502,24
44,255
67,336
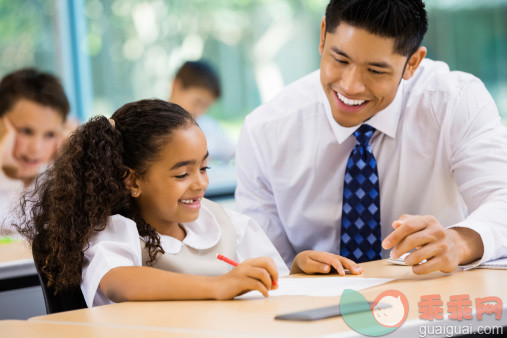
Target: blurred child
x,y
196,87
33,109
121,213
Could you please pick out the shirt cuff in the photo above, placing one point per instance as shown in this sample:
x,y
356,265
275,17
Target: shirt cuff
x,y
487,238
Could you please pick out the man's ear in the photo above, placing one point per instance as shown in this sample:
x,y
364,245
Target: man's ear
x,y
322,35
132,183
414,62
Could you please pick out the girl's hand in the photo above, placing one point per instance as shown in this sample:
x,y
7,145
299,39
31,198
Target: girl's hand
x,y
7,139
311,262
252,274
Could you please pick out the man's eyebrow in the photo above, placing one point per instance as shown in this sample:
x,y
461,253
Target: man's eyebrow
x,y
379,64
339,51
190,162
374,64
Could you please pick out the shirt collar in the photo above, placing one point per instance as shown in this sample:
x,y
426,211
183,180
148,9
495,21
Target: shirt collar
x,y
202,233
385,121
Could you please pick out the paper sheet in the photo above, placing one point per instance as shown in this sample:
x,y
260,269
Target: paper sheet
x,y
318,287
500,263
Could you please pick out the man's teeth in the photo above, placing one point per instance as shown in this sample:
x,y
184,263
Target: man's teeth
x,y
349,102
187,201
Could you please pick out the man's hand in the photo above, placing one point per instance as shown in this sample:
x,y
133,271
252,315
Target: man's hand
x,y
321,262
444,249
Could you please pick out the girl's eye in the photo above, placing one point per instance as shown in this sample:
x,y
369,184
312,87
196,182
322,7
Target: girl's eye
x,y
50,135
205,168
181,176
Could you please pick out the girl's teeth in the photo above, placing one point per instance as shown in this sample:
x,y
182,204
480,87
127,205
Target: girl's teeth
x,y
350,102
189,201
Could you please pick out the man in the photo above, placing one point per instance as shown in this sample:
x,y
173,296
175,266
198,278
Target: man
x,y
196,87
379,150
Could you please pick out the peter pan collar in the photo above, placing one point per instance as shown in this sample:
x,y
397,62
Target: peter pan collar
x,y
202,234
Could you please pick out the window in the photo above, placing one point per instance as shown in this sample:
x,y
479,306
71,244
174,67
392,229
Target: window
x,y
134,47
27,35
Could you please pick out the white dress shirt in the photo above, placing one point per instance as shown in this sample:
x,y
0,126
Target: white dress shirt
x,y
10,193
119,245
440,149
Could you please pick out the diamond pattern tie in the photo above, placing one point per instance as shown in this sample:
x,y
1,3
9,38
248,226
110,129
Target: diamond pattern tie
x,y
360,229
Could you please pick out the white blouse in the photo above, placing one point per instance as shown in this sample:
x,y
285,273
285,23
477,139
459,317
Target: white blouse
x,y
119,245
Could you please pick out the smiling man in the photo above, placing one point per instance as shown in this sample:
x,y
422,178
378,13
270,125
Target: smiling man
x,y
379,152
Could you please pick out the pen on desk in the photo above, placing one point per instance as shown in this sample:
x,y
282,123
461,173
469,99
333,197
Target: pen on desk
x,y
234,263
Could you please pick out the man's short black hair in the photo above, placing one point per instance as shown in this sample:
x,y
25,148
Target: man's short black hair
x,y
403,20
31,84
199,74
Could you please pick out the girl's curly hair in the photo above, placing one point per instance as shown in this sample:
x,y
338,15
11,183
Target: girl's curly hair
x,y
85,185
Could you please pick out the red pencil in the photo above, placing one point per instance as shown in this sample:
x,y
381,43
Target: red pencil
x,y
234,263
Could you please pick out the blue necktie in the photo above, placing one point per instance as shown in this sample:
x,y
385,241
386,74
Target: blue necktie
x,y
360,230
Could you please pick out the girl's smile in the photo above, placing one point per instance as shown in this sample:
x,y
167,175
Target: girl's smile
x,y
170,192
192,203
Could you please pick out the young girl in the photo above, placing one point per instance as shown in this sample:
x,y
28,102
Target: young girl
x,y
33,110
121,213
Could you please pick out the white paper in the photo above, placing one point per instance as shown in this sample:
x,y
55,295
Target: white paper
x,y
499,262
318,287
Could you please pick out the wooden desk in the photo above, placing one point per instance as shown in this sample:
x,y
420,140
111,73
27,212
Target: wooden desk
x,y
15,251
256,316
16,260
26,329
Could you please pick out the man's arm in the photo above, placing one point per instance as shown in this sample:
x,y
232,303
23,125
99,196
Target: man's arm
x,y
477,144
254,196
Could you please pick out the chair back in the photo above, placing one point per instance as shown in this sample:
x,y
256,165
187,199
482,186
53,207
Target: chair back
x,y
67,300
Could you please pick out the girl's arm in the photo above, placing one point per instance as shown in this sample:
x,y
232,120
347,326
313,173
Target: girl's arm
x,y
147,283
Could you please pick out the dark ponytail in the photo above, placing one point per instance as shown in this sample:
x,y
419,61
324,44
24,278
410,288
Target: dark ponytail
x,y
73,199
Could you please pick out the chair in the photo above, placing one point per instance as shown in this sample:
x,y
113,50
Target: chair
x,y
64,301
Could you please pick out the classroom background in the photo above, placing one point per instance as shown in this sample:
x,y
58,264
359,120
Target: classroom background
x,y
109,52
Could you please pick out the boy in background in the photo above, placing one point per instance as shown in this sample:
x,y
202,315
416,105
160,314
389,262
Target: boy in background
x,y
196,87
33,112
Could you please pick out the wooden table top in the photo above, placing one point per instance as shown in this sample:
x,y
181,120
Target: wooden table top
x,y
257,316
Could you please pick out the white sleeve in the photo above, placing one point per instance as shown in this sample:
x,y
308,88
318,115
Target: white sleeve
x,y
252,242
478,143
254,196
117,245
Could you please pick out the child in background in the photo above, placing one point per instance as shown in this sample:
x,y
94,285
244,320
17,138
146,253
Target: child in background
x,y
195,88
33,109
121,213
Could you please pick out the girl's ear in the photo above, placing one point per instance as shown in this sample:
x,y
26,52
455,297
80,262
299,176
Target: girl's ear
x,y
132,184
